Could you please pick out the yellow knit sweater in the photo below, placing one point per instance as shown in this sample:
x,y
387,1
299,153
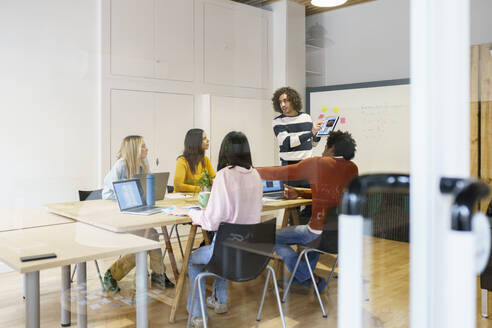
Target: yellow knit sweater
x,y
183,175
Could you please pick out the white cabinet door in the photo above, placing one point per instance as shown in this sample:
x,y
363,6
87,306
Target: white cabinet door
x,y
174,39
132,37
133,113
253,117
152,38
235,46
174,117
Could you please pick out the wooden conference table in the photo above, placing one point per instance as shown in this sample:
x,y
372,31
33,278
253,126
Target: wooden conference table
x,y
106,214
25,218
26,232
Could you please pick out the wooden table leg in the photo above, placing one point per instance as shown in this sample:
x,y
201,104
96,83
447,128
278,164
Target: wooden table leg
x,y
285,221
278,265
182,274
170,253
206,237
295,216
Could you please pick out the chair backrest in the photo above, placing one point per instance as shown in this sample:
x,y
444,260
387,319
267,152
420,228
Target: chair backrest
x,y
239,264
90,194
390,215
486,276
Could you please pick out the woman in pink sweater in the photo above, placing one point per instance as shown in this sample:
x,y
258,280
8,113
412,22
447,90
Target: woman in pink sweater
x,y
235,198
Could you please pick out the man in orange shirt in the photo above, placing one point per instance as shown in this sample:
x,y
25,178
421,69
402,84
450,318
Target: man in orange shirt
x,y
328,176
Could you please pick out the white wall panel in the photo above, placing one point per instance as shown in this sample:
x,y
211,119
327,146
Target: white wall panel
x,y
253,117
133,113
235,46
174,117
174,39
132,37
161,118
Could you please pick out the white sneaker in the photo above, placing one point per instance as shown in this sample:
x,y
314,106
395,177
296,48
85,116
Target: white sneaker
x,y
197,322
214,304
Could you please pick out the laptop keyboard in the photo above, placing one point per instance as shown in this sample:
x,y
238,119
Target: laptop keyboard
x,y
275,195
143,209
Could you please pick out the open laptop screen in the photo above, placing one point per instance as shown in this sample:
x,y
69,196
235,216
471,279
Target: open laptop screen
x,y
272,185
128,194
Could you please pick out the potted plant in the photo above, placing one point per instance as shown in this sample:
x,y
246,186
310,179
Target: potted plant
x,y
205,183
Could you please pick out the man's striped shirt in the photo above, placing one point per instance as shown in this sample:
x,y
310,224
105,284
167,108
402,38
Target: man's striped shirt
x,y
294,136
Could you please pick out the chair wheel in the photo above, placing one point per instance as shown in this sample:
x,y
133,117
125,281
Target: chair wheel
x,y
325,316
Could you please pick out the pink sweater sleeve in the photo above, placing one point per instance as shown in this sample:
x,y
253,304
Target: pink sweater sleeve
x,y
235,198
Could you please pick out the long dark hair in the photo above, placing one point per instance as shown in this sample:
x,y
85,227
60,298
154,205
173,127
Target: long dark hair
x,y
234,151
193,151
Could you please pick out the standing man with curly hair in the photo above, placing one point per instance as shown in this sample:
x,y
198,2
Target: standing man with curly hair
x,y
295,133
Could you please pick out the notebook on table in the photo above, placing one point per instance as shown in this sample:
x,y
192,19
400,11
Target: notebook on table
x,y
160,184
130,196
273,189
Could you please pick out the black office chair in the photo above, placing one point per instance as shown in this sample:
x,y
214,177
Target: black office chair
x,y
90,194
326,243
241,253
83,196
486,275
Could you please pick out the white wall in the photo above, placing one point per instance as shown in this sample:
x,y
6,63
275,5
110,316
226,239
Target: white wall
x,y
370,41
296,49
366,42
289,52
229,56
50,100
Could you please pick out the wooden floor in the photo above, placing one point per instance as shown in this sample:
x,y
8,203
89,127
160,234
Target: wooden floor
x,y
385,279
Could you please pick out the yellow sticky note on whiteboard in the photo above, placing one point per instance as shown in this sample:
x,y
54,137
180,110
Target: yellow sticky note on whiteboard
x,y
336,109
324,109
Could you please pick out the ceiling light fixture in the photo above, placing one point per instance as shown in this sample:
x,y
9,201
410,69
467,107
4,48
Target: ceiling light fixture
x,y
327,3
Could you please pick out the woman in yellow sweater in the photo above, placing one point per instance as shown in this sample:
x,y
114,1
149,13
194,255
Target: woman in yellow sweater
x,y
191,164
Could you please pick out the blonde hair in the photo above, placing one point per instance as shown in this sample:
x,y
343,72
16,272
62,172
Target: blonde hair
x,y
131,152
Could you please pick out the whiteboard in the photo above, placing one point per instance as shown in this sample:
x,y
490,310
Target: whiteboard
x,y
377,114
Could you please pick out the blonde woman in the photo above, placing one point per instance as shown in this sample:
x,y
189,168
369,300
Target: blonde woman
x,y
132,159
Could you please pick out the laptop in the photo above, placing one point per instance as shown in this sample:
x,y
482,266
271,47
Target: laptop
x,y
160,184
130,198
273,189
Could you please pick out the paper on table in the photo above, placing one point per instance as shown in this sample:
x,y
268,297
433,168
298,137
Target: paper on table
x,y
177,196
193,207
168,209
268,200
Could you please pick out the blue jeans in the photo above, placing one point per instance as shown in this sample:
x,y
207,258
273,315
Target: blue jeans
x,y
296,235
198,259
